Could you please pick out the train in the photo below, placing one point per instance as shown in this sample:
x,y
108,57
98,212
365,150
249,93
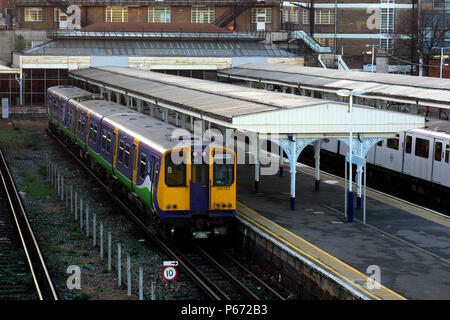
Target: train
x,y
413,165
181,186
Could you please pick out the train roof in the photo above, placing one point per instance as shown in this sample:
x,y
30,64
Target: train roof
x,y
69,91
156,133
435,128
153,132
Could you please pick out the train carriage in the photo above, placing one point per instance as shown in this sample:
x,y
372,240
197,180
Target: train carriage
x,y
138,154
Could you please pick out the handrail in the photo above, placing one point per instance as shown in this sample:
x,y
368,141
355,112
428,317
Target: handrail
x,y
313,44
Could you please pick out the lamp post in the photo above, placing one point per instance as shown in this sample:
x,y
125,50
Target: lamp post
x,y
442,59
373,53
350,94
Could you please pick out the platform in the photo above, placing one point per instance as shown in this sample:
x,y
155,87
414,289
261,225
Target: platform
x,y
410,245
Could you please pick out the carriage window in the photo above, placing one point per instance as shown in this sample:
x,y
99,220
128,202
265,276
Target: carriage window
x,y
104,140
70,116
91,132
108,143
121,149
199,173
422,148
61,113
143,166
81,125
126,160
408,144
438,151
94,134
446,156
175,173
223,169
392,143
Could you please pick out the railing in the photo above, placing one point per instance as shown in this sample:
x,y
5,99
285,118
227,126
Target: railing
x,y
146,35
235,11
140,2
313,44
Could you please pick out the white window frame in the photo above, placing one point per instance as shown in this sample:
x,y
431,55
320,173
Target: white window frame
x,y
198,14
111,10
154,14
266,14
324,16
305,17
28,14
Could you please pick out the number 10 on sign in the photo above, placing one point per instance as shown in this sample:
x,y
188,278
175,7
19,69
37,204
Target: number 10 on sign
x,y
169,273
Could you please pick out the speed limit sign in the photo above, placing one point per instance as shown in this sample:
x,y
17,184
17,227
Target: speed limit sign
x,y
169,273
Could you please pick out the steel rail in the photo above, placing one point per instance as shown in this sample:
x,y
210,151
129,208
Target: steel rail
x,y
41,277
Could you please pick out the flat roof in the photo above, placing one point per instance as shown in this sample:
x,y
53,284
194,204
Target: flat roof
x,y
412,89
247,108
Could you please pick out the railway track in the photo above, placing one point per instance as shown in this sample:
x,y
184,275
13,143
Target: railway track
x,y
20,254
212,276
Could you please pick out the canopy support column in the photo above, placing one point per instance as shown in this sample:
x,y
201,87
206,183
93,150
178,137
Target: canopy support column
x,y
293,146
317,165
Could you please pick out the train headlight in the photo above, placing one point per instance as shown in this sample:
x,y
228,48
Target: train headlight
x,y
168,206
217,205
230,205
174,206
224,205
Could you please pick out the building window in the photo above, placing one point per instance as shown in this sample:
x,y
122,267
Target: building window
x,y
116,14
159,14
324,42
324,17
203,15
262,15
59,15
305,17
33,14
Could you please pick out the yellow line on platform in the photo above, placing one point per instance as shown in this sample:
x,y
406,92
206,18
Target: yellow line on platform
x,y
387,199
315,254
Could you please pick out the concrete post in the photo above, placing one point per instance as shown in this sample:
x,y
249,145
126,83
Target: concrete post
x,y
293,171
94,230
141,284
101,240
58,183
109,250
62,188
76,206
71,198
87,221
119,264
81,214
153,290
128,275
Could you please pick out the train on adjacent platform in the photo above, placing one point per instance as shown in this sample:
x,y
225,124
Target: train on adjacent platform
x,y
414,165
180,185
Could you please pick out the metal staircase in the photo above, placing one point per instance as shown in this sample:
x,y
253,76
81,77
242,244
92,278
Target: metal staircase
x,y
309,41
61,4
233,12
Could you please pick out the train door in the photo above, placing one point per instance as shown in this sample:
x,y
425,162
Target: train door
x,y
199,183
223,181
408,156
440,167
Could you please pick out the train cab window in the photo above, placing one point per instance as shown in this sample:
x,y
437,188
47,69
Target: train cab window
x,y
408,144
175,172
143,166
223,169
126,160
121,151
422,148
380,143
446,156
438,151
392,143
199,174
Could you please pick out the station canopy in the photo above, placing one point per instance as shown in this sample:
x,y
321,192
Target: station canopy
x,y
249,109
433,92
